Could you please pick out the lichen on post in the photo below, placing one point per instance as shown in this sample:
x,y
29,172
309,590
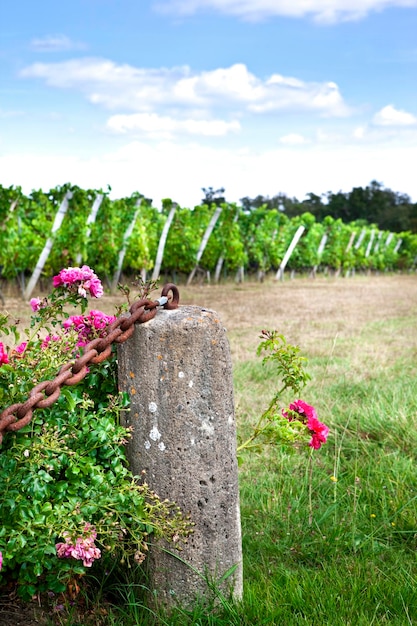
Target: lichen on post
x,y
177,371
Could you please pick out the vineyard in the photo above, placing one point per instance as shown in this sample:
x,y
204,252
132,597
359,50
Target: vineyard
x,y
44,231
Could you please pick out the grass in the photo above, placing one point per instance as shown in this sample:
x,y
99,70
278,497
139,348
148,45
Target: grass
x,y
355,564
332,542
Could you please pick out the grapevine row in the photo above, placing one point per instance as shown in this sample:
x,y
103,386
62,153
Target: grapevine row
x,y
132,235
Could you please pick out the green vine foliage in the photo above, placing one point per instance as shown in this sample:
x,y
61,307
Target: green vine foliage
x,y
265,233
143,244
107,233
335,253
184,238
255,238
70,239
225,242
305,254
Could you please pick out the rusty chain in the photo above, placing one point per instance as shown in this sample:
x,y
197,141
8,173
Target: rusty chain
x,y
45,393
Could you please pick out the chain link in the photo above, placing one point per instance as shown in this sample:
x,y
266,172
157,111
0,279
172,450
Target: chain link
x,y
45,393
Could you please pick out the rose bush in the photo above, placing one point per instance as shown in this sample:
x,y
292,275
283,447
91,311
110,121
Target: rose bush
x,y
285,426
69,500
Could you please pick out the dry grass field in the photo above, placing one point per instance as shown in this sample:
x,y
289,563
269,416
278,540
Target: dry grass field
x,y
314,313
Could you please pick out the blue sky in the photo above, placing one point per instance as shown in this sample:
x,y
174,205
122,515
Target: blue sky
x,y
165,97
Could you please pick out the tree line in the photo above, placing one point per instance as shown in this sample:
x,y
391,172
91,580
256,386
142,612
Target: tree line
x,y
375,204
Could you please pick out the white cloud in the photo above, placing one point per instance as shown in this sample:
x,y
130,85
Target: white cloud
x,y
359,132
163,126
55,43
234,83
290,93
390,116
142,90
293,139
325,11
180,169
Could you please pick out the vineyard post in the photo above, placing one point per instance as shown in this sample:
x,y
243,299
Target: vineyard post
x,y
378,241
370,242
90,220
177,371
359,243
204,242
12,207
59,217
388,239
220,260
348,247
162,242
320,251
240,274
280,273
218,269
122,253
360,239
351,240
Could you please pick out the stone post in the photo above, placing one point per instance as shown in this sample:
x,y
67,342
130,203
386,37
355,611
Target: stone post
x,y
177,371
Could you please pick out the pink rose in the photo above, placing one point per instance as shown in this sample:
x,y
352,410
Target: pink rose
x,y
21,347
87,279
35,303
306,414
95,287
319,432
303,410
84,548
3,355
86,325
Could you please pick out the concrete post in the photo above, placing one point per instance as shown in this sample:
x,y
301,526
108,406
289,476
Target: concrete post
x,y
177,371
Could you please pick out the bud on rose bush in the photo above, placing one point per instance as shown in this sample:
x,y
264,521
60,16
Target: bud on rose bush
x,y
69,500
